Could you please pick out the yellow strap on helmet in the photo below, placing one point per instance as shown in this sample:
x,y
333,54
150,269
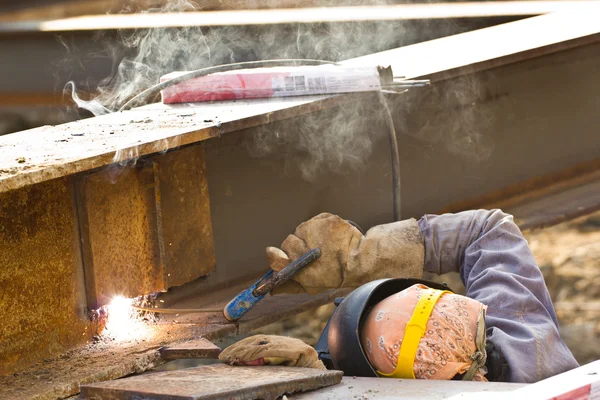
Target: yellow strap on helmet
x,y
415,329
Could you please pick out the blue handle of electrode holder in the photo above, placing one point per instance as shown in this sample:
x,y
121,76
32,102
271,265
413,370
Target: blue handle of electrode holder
x,y
244,301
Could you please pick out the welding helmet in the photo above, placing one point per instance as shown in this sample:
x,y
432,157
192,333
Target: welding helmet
x,y
339,346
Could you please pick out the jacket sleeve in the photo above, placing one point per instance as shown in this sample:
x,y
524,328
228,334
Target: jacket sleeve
x,y
499,270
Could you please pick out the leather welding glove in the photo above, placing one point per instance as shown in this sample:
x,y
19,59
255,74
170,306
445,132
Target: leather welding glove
x,y
271,350
349,258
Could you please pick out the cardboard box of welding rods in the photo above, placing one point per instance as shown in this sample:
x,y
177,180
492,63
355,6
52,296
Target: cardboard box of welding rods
x,y
272,82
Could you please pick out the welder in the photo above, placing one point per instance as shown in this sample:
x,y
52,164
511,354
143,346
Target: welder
x,y
398,325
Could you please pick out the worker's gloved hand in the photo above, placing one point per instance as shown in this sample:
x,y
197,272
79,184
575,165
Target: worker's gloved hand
x,y
271,350
349,258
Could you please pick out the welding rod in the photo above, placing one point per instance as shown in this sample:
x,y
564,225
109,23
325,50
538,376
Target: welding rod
x,y
406,83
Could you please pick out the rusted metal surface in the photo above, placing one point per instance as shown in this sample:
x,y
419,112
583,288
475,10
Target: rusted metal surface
x,y
186,226
145,228
42,301
88,144
60,377
118,231
198,348
215,382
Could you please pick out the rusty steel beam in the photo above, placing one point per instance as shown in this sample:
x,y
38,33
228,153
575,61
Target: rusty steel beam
x,y
68,245
42,296
182,204
558,203
146,228
537,123
524,190
544,200
114,135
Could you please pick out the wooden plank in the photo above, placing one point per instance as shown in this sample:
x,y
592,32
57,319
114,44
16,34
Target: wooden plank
x,y
63,150
198,348
394,12
215,382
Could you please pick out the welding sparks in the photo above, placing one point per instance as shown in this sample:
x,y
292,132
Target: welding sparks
x,y
124,322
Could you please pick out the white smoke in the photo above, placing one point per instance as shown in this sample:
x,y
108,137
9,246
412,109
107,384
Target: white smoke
x,y
339,139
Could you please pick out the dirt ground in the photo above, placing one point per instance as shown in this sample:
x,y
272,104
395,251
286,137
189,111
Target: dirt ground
x,y
569,257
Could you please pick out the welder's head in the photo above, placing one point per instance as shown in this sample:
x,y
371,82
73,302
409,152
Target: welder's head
x,y
423,333
407,328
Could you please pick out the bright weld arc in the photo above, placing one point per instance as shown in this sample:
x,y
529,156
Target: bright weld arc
x,y
124,322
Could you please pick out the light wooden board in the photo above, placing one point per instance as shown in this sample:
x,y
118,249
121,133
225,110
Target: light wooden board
x,y
307,15
215,382
50,152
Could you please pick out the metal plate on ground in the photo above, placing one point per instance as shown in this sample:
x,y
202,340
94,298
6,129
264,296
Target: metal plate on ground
x,y
214,382
199,348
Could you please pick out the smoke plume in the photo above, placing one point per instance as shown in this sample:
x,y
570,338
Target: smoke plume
x,y
338,139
